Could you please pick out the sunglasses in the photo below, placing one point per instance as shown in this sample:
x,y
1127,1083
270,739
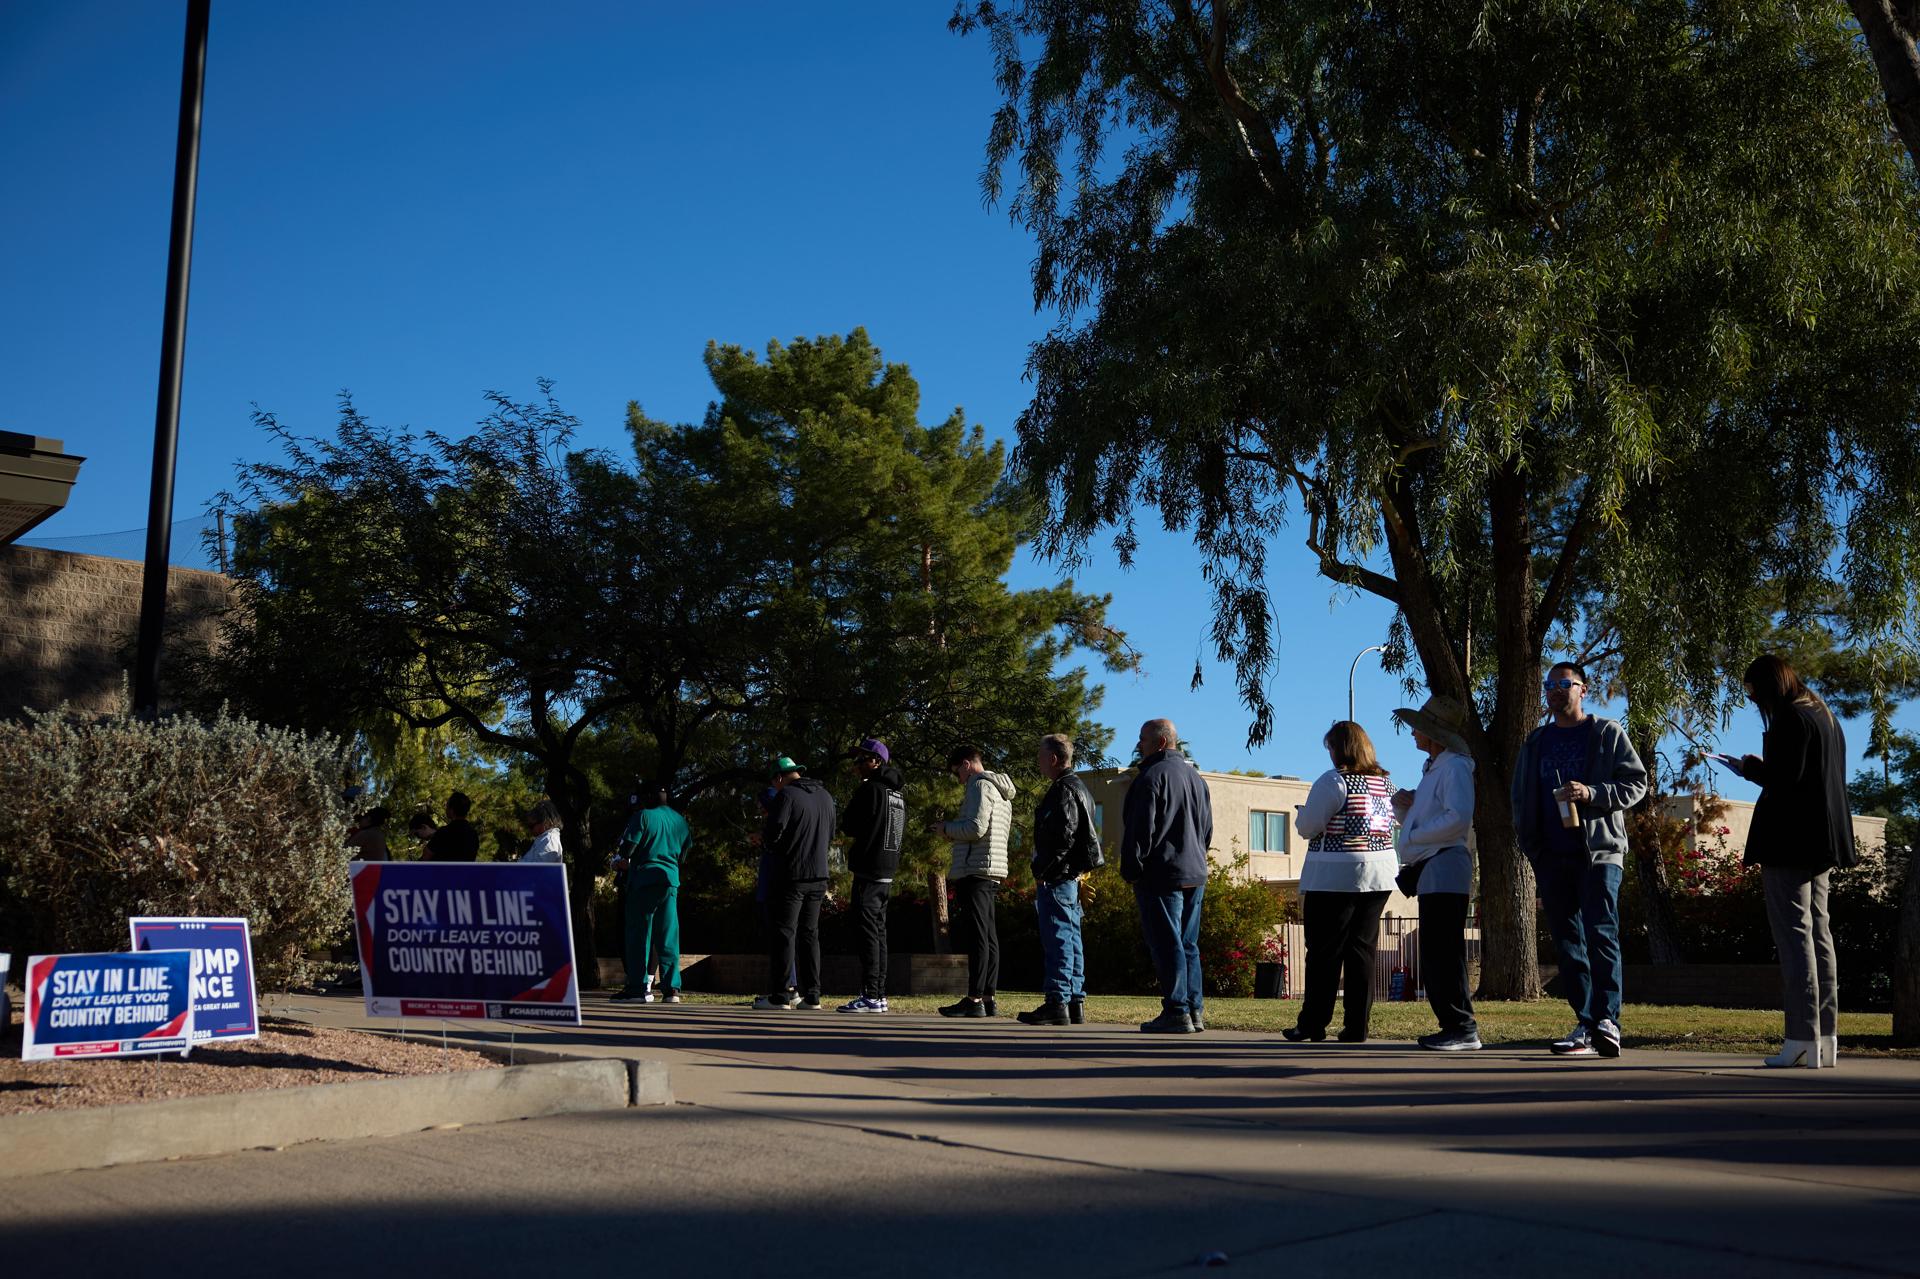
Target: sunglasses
x,y
1552,684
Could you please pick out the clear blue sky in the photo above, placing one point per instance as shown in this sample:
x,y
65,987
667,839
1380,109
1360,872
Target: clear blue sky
x,y
419,202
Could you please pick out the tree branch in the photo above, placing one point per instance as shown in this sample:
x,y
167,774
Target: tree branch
x,y
1585,520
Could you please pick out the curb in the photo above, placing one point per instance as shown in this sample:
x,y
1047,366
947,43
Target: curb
x,y
145,1132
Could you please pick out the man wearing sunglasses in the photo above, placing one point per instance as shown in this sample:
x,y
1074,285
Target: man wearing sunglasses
x,y
1575,779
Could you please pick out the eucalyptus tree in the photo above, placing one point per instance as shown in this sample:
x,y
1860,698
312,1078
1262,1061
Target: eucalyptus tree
x,y
1497,301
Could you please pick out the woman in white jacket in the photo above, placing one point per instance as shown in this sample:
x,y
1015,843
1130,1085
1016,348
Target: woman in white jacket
x,y
1435,821
1344,882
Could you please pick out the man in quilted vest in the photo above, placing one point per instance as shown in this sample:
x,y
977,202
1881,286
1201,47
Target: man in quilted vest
x,y
979,837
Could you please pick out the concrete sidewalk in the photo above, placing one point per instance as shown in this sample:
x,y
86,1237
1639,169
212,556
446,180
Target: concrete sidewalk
x,y
868,1145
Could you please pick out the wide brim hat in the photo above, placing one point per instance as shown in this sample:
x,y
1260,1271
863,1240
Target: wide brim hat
x,y
1443,718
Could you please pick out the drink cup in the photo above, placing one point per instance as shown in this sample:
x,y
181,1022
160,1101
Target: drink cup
x,y
1569,814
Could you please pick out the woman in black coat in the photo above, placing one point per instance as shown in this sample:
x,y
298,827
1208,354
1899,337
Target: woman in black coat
x,y
1802,829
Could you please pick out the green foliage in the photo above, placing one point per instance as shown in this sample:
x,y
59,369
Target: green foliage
x,y
1543,314
177,817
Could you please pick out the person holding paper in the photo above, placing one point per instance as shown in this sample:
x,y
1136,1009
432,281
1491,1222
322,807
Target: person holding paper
x,y
1576,777
1802,829
1436,866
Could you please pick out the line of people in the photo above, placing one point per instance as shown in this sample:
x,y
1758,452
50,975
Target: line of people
x,y
1573,783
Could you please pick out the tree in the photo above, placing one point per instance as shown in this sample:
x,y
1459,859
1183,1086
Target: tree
x,y
1890,27
443,581
1511,302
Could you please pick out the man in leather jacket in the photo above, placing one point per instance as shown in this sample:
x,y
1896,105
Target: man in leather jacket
x,y
1066,845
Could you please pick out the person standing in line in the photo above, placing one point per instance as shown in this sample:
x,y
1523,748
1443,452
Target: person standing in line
x,y
798,828
1344,882
763,876
978,834
1163,854
651,848
1435,822
420,829
457,841
543,823
1576,777
1802,829
876,823
1066,845
369,838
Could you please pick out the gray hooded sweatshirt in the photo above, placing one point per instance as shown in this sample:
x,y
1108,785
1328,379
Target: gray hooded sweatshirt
x,y
979,830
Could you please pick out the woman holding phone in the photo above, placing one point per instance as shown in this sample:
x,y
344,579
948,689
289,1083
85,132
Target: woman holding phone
x,y
1802,829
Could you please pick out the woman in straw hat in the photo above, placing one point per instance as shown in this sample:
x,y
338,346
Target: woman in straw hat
x,y
1437,868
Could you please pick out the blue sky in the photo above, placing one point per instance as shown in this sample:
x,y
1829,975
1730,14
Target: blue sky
x,y
419,202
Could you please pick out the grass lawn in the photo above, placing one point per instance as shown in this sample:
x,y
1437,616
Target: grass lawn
x,y
1728,1030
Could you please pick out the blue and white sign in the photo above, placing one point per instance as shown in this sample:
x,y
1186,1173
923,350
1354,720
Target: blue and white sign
x,y
465,939
223,997
109,1005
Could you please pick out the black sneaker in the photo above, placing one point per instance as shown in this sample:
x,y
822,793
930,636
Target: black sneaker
x,y
993,1009
1169,1023
809,1003
965,1008
1352,1036
1047,1014
1295,1035
630,997
1451,1041
1077,1012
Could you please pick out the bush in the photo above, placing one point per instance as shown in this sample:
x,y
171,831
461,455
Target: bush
x,y
124,817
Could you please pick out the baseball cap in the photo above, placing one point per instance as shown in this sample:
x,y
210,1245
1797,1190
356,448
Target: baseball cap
x,y
785,764
875,747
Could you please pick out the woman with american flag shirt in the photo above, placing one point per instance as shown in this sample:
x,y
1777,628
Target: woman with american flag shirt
x,y
1344,882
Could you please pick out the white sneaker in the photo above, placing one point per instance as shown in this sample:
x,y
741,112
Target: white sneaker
x,y
1797,1052
1829,1050
863,1005
784,1003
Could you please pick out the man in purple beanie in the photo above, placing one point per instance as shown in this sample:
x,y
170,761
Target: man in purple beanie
x,y
875,821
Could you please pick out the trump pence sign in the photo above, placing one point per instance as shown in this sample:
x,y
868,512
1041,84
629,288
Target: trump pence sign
x,y
223,999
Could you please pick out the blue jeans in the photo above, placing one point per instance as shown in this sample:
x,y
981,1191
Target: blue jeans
x,y
1063,960
1582,905
1170,921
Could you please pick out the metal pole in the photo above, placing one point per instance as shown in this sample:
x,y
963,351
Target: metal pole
x,y
1372,648
173,341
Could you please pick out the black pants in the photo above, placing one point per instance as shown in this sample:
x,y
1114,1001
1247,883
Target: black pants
x,y
1443,960
1341,930
870,914
975,928
794,910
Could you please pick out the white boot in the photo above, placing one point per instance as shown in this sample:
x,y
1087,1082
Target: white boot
x,y
1829,1050
1797,1052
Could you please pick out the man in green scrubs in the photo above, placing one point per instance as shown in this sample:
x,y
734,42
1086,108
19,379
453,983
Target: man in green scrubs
x,y
655,840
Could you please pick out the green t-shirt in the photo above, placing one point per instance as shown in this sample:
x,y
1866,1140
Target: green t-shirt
x,y
653,843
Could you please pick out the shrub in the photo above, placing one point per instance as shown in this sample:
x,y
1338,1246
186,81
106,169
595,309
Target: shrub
x,y
123,817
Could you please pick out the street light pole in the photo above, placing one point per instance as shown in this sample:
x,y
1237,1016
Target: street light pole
x,y
173,342
1372,648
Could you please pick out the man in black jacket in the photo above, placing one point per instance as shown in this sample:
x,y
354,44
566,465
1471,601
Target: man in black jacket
x,y
1066,845
876,823
798,828
1163,854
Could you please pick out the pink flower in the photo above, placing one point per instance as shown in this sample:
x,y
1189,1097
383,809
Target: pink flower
x,y
1726,830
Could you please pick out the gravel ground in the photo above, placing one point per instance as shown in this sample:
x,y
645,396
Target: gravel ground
x,y
288,1054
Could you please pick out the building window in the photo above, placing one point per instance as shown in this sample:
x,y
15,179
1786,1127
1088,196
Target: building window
x,y
1266,832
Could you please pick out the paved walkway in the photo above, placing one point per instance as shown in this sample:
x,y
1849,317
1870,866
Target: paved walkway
x,y
817,1143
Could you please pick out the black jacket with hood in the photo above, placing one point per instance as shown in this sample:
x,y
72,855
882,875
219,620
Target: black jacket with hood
x,y
876,820
798,828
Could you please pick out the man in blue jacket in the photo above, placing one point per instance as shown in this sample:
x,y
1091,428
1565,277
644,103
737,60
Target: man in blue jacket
x,y
1163,854
795,836
1575,779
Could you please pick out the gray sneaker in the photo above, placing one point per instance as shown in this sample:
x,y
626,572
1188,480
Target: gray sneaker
x,y
1577,1042
1606,1037
1450,1041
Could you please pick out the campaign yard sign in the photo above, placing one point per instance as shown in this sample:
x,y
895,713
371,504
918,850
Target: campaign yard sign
x,y
109,1005
465,939
223,997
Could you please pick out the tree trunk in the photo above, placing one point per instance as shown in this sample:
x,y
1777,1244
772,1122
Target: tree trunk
x,y
937,907
1906,958
567,788
1509,951
1889,28
1649,867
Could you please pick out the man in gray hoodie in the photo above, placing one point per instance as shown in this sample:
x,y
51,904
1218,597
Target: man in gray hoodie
x,y
1576,777
979,837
